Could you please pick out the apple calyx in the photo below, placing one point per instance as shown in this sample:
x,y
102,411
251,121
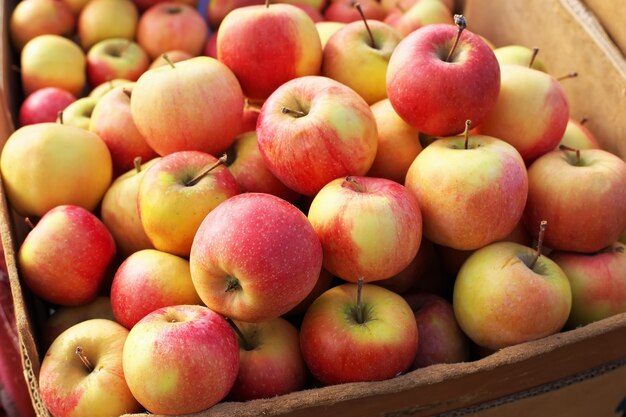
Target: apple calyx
x,y
533,56
79,352
294,113
232,284
567,148
360,319
241,338
542,231
572,74
461,23
173,10
468,124
357,5
354,184
168,60
221,161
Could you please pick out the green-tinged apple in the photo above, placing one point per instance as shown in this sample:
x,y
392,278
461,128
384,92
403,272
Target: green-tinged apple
x,y
352,335
357,55
520,55
40,17
255,257
180,359
246,164
81,374
171,25
246,43
119,211
422,13
578,136
148,280
398,144
78,114
176,194
344,11
527,94
435,86
64,258
598,282
115,58
312,130
102,89
170,109
507,293
104,19
270,361
44,105
52,61
441,340
112,121
479,199
369,227
582,195
326,29
174,56
65,317
48,164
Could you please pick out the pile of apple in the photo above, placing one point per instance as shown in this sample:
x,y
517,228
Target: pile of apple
x,y
280,197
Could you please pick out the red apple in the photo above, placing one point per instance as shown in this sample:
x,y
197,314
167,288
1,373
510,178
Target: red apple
x,y
344,11
44,105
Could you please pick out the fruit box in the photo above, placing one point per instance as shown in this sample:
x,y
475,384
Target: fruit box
x,y
574,373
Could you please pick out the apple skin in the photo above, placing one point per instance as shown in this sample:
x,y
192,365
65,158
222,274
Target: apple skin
x,y
148,280
78,114
337,349
40,17
441,340
270,361
485,309
578,136
44,105
527,94
478,202
218,9
64,258
584,204
350,58
105,19
421,14
598,282
99,91
115,58
175,55
171,210
171,25
325,29
344,11
323,283
52,61
369,228
48,164
180,359
437,97
336,137
255,257
410,277
68,389
518,55
169,107
246,43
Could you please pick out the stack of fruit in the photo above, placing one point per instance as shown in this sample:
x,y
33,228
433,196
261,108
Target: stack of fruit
x,y
283,196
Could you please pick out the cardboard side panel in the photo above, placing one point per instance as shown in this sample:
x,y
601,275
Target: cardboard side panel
x,y
612,15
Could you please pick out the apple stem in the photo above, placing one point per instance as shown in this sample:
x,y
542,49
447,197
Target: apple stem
x,y
137,164
29,223
168,60
359,302
400,7
355,184
248,105
583,121
357,5
267,3
127,92
567,148
542,231
60,117
533,56
83,358
206,170
468,124
297,113
461,23
572,74
242,339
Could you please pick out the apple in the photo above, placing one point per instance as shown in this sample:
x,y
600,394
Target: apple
x,y
369,228
398,144
314,13
44,105
391,5
143,5
349,335
119,211
270,362
255,257
210,47
481,197
312,130
175,195
578,136
40,17
598,282
105,19
520,55
323,283
49,164
76,5
325,29
99,91
345,11
64,258
527,94
115,58
78,113
252,40
52,61
148,280
435,93
582,195
408,279
174,56
170,110
111,120
180,359
507,293
217,10
316,4
81,373
171,25
441,340
422,13
357,55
